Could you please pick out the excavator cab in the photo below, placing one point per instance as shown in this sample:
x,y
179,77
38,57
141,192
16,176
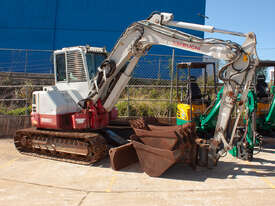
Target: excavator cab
x,y
192,101
77,64
58,107
61,127
263,93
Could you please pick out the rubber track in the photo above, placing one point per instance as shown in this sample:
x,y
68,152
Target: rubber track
x,y
97,146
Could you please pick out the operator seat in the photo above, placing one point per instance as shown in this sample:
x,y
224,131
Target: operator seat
x,y
261,87
195,89
194,92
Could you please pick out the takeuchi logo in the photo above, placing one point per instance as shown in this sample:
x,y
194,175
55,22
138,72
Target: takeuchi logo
x,y
185,45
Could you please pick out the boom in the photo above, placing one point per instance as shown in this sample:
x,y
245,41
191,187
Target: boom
x,y
138,39
115,72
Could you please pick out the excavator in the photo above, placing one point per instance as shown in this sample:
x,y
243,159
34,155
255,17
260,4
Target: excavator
x,y
246,138
195,107
88,83
265,98
260,108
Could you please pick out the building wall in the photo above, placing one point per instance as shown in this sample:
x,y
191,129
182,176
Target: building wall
x,y
53,24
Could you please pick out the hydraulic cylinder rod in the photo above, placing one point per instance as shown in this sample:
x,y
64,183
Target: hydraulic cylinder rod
x,y
205,28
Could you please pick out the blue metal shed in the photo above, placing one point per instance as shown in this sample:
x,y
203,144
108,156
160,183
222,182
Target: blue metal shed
x,y
53,24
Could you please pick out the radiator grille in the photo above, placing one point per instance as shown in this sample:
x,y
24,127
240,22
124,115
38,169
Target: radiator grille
x,y
75,67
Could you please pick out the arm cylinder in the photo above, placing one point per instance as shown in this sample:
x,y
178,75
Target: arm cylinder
x,y
205,28
191,26
229,32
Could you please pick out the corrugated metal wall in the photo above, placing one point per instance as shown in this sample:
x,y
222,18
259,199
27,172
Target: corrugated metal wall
x,y
53,24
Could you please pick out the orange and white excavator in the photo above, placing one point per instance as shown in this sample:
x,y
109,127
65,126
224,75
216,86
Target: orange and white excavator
x,y
88,83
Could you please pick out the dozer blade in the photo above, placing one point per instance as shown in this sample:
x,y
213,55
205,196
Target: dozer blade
x,y
122,156
155,161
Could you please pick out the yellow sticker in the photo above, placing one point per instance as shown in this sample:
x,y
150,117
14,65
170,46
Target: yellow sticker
x,y
245,58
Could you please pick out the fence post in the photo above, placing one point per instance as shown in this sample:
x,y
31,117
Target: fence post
x,y
26,60
171,86
128,100
159,69
26,100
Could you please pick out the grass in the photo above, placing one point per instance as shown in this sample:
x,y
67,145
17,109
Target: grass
x,y
141,103
16,112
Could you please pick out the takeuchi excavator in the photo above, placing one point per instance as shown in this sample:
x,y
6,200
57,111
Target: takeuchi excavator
x,y
88,83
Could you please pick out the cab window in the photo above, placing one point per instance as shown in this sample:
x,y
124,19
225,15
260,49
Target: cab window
x,y
94,60
60,67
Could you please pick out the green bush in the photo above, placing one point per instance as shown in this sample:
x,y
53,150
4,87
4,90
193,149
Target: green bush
x,y
2,110
172,107
123,109
16,112
144,110
154,93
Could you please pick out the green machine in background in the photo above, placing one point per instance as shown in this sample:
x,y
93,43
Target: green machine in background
x,y
247,136
266,122
258,118
207,124
269,121
265,100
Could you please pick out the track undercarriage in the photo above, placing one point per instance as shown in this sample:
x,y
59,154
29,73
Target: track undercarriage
x,y
75,147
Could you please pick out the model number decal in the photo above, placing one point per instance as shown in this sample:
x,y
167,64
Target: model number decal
x,y
80,120
185,45
46,120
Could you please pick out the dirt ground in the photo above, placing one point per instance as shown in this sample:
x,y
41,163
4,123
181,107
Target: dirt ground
x,y
26,180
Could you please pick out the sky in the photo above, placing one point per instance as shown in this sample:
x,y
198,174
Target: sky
x,y
256,16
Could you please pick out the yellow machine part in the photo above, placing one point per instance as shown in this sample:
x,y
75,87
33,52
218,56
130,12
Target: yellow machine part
x,y
184,111
262,108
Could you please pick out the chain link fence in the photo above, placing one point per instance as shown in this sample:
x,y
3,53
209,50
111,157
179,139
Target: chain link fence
x,y
153,90
25,60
